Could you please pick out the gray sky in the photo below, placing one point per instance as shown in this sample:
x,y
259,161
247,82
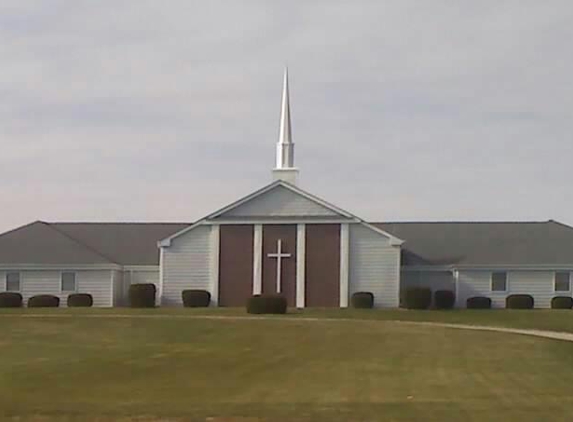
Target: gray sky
x,y
165,111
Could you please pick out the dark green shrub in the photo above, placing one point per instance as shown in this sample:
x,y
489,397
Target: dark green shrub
x,y
80,300
267,304
362,300
562,302
478,302
444,299
196,298
519,302
44,301
418,298
10,300
142,295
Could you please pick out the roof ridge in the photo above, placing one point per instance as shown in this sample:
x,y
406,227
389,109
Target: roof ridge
x,y
91,249
561,224
21,227
119,222
471,222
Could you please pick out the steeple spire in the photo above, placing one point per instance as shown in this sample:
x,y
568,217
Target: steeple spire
x,y
285,169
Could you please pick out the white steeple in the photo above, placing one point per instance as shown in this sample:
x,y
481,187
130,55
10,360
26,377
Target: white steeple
x,y
285,169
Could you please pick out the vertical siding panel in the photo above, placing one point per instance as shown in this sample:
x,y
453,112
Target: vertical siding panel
x,y
187,264
374,266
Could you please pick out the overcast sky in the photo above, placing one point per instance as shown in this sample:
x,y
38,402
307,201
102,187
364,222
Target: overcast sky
x,y
401,110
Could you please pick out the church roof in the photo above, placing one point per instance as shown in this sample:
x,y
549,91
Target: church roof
x,y
449,244
483,244
85,243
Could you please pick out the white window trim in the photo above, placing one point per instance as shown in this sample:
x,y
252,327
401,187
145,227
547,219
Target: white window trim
x,y
555,282
19,281
506,282
62,282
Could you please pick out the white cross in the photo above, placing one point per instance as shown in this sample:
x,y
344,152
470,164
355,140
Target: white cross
x,y
279,255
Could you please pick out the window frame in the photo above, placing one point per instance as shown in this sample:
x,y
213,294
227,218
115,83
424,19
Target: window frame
x,y
19,281
555,281
506,282
62,282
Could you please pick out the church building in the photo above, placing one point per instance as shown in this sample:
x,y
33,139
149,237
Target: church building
x,y
282,239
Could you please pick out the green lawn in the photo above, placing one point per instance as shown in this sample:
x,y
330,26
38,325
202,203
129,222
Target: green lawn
x,y
542,319
177,369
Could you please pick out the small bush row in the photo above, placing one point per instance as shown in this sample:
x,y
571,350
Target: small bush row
x,y
142,295
15,300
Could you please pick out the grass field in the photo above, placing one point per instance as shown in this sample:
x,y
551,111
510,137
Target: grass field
x,y
185,369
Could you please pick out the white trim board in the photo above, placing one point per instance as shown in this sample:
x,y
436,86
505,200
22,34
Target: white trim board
x,y
348,217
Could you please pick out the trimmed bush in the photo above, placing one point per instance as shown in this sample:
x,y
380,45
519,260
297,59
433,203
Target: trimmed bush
x,y
196,298
80,300
562,302
362,300
478,302
519,302
444,299
418,298
44,301
10,300
267,304
142,295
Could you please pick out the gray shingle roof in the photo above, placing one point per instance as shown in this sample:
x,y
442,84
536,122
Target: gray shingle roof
x,y
85,243
484,243
435,243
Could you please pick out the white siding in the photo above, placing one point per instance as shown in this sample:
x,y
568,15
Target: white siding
x,y
538,284
280,202
374,266
118,289
187,264
37,282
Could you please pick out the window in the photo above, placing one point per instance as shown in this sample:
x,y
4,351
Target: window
x,y
13,282
499,282
68,282
562,282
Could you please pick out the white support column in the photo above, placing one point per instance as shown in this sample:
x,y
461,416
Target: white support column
x,y
215,246
344,250
258,259
456,275
300,265
113,301
161,253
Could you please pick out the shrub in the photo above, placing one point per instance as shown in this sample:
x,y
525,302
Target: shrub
x,y
267,304
444,299
142,295
362,300
10,300
80,300
418,298
196,298
562,302
519,302
44,301
478,302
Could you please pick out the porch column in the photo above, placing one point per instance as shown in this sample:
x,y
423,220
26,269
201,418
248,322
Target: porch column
x,y
300,265
344,251
258,259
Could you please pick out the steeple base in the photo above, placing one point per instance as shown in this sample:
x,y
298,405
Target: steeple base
x,y
289,175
